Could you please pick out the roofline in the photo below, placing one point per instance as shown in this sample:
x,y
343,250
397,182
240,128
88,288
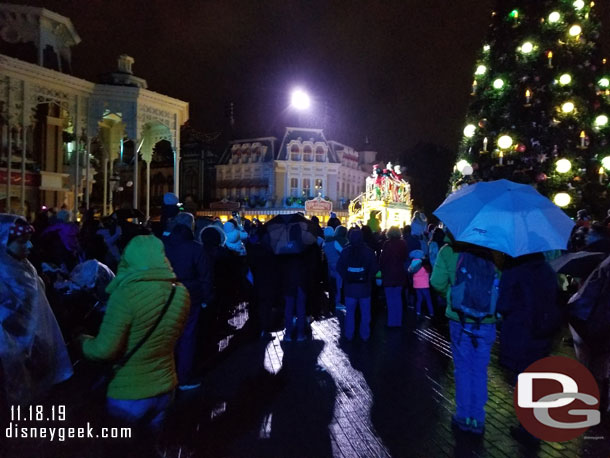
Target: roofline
x,y
48,13
250,140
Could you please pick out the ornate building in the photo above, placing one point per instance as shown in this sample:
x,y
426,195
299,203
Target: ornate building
x,y
268,179
60,134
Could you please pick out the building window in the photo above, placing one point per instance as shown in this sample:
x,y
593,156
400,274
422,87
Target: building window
x,y
294,153
306,187
319,186
307,154
320,154
294,187
343,189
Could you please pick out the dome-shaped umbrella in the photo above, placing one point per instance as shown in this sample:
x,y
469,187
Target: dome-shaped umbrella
x,y
509,217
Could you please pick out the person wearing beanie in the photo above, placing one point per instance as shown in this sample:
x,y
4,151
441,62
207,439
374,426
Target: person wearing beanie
x,y
357,266
193,269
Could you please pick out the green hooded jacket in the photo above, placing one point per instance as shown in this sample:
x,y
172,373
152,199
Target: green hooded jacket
x,y
137,296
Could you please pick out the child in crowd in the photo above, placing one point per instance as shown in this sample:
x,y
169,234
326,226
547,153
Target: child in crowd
x,y
420,270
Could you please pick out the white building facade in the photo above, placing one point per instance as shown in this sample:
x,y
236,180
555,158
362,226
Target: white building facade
x,y
260,174
51,120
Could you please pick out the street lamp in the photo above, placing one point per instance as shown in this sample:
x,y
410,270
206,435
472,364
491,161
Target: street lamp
x,y
300,100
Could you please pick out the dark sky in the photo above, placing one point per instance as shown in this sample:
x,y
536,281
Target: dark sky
x,y
398,71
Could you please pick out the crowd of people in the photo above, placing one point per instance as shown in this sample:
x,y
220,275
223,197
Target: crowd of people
x,y
164,292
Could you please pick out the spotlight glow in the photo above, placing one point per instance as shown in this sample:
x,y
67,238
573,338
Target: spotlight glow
x,y
300,99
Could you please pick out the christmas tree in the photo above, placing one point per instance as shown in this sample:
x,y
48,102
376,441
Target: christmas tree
x,y
540,104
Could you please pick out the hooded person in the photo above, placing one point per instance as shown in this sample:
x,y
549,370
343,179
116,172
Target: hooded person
x,y
357,266
169,210
341,240
33,355
333,221
142,389
193,268
373,222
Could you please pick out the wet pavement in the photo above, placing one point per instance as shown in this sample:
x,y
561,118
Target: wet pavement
x,y
327,397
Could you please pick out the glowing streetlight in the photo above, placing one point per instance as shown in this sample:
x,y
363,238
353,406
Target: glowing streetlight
x,y
300,99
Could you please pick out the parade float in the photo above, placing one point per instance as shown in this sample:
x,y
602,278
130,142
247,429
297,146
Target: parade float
x,y
387,198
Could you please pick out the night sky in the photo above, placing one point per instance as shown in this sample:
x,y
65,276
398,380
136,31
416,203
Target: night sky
x,y
398,71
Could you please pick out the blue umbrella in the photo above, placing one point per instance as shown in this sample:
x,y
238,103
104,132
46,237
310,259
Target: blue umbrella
x,y
505,216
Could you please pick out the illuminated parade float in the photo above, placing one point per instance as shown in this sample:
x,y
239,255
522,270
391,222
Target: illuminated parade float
x,y
387,198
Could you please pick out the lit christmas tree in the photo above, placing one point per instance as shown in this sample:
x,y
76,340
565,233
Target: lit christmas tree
x,y
541,103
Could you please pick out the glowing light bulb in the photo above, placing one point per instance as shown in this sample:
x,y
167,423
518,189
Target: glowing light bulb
x,y
567,107
575,30
565,79
562,199
554,17
606,163
563,166
499,83
527,47
481,70
505,141
469,130
579,4
604,82
601,121
461,164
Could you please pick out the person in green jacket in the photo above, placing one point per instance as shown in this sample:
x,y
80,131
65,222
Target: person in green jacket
x,y
143,388
470,355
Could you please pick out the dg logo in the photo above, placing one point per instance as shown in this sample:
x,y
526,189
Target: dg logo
x,y
557,399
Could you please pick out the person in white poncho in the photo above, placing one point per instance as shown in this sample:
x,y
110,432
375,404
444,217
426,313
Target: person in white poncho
x,y
33,355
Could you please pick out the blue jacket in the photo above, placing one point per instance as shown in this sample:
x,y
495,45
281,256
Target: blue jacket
x,y
191,264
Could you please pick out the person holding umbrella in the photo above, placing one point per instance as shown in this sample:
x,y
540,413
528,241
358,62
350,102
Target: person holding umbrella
x,y
505,217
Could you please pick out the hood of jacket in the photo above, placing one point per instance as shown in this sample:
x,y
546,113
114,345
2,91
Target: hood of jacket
x,y
143,260
356,237
18,276
180,234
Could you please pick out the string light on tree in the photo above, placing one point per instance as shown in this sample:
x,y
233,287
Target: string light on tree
x,y
527,47
481,70
528,97
469,130
498,83
562,199
563,166
575,31
601,121
549,56
461,165
554,17
565,79
567,107
604,82
579,5
606,163
505,142
583,139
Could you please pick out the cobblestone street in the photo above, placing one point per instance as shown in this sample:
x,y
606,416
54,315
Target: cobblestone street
x,y
389,397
